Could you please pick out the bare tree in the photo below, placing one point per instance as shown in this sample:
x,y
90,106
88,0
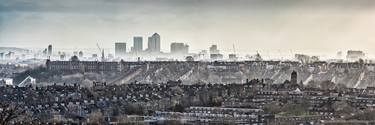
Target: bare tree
x,y
9,113
96,118
343,109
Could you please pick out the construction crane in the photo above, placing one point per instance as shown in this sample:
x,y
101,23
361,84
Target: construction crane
x,y
25,82
234,55
100,50
234,50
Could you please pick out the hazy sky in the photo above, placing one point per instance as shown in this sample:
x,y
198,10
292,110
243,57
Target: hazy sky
x,y
265,25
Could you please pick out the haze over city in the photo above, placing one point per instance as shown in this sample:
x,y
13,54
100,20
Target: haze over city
x,y
305,26
187,62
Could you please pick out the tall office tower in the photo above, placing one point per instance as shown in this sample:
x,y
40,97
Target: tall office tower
x,y
154,43
80,54
49,50
45,52
179,48
137,44
157,42
120,49
150,44
214,50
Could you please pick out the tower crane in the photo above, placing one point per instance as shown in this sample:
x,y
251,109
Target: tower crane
x,y
234,50
100,50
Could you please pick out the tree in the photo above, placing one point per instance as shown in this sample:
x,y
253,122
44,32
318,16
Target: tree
x,y
368,114
96,118
9,113
327,85
296,109
340,87
343,109
215,101
134,109
312,84
272,108
291,108
178,108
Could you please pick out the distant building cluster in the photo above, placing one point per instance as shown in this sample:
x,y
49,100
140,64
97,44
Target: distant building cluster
x,y
152,51
193,92
250,102
137,44
306,58
8,55
355,55
179,48
137,48
74,64
48,51
215,53
153,43
120,49
153,47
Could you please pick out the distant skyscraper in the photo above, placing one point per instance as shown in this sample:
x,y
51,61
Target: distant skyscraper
x,y
45,52
214,50
80,54
157,41
49,50
150,44
120,49
154,43
137,44
339,55
179,48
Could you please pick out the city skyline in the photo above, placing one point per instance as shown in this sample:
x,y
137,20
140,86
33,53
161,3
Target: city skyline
x,y
161,62
301,26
